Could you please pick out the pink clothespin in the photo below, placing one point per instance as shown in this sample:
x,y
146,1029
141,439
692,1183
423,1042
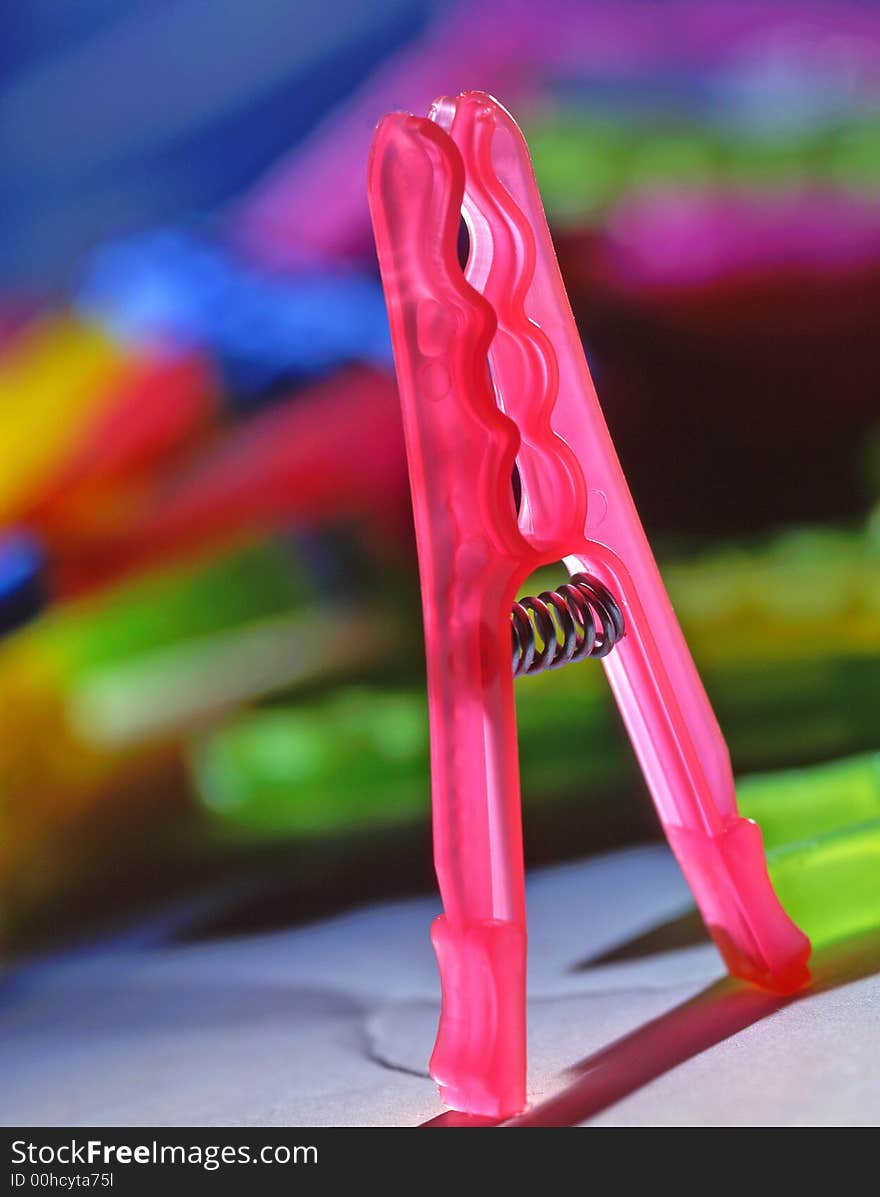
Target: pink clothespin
x,y
492,375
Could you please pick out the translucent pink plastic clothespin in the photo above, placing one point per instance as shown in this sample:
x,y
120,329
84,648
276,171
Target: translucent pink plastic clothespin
x,y
492,375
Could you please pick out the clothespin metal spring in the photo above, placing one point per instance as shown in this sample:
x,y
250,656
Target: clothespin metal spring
x,y
580,620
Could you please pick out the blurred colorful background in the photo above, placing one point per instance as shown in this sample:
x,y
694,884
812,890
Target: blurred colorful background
x,y
211,666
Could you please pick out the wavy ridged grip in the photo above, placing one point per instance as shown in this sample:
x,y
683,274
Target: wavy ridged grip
x,y
502,264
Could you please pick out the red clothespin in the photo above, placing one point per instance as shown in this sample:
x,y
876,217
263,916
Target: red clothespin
x,y
296,463
492,374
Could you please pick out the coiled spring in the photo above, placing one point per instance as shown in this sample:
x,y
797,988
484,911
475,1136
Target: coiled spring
x,y
579,620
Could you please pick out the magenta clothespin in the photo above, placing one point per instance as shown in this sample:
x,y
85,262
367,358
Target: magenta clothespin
x,y
492,374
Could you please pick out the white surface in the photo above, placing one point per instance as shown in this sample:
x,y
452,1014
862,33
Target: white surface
x,y
332,1024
